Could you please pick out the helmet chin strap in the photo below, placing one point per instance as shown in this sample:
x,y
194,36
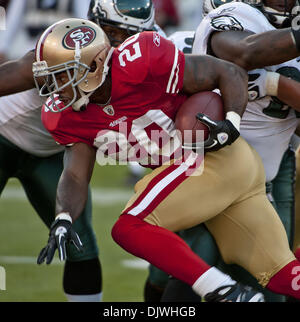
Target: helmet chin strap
x,y
83,101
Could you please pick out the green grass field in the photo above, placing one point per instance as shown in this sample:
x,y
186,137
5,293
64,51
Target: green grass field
x,y
22,235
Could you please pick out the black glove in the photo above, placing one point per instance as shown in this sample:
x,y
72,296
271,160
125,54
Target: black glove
x,y
221,133
61,232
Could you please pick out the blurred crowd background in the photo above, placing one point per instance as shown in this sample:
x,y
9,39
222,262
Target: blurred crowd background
x,y
26,19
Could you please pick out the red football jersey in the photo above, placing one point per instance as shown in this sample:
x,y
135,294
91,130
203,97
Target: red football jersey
x,y
147,76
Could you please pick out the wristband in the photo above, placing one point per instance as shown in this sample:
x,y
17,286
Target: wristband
x,y
296,37
64,216
272,80
234,118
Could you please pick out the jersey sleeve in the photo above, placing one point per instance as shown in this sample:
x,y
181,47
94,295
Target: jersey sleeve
x,y
236,16
148,57
166,63
65,127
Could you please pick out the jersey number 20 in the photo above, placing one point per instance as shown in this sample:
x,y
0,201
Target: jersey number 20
x,y
125,53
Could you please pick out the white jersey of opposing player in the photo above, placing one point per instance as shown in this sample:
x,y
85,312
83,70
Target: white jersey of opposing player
x,y
267,124
183,40
20,123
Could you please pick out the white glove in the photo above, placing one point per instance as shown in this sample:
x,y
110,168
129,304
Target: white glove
x,y
262,83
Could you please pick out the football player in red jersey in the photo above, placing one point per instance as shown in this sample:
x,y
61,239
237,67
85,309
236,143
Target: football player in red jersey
x,y
23,67
43,160
119,96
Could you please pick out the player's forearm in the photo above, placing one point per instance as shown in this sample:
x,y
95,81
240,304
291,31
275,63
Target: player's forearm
x,y
72,190
206,73
251,51
72,194
233,85
16,76
289,92
269,48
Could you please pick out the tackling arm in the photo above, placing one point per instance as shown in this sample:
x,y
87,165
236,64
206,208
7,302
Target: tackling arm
x,y
16,75
266,83
289,92
252,51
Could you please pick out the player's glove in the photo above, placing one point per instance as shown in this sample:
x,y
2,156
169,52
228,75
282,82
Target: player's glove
x,y
61,232
262,83
221,133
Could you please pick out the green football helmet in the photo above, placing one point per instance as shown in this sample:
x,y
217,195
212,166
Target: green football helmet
x,y
131,15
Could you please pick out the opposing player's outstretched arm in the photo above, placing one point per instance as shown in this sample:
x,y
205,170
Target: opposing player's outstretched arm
x,y
252,51
289,92
206,73
266,83
16,75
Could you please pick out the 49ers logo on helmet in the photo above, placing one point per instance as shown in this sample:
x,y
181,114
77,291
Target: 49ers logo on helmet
x,y
83,35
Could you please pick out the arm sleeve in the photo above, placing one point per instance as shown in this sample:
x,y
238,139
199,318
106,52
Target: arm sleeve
x,y
238,16
150,58
166,63
235,16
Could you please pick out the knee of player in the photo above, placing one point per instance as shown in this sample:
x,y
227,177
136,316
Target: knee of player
x,y
123,228
115,231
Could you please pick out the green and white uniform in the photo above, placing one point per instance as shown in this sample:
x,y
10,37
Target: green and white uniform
x,y
267,125
29,153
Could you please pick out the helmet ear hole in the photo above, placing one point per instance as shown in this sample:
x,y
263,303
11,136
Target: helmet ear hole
x,y
93,67
95,75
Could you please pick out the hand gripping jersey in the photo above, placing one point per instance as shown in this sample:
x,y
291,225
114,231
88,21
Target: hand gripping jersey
x,y
267,123
147,75
20,123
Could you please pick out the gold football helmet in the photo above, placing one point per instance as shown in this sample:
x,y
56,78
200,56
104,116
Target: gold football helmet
x,y
81,49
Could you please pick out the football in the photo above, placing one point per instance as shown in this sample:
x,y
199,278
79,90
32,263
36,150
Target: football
x,y
208,103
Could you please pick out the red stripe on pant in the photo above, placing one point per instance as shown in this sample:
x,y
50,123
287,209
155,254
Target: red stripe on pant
x,y
159,246
165,191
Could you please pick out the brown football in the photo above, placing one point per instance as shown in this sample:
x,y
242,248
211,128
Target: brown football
x,y
208,103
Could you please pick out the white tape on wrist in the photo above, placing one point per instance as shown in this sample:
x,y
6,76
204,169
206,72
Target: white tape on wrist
x,y
64,216
272,80
234,118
